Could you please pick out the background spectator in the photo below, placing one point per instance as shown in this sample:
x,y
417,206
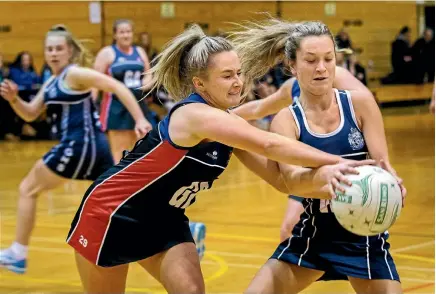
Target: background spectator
x,y
423,55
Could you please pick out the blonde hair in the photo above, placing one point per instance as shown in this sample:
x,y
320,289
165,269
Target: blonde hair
x,y
81,55
262,45
184,57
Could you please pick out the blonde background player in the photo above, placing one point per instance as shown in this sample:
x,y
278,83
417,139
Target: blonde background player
x,y
83,152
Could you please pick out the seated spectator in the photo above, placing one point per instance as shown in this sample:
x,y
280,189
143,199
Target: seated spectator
x,y
23,73
401,60
343,39
6,113
423,57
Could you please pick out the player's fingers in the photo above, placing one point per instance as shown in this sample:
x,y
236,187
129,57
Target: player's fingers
x,y
337,186
340,177
331,191
361,162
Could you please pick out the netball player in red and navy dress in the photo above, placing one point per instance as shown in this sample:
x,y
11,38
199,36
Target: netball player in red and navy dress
x,y
126,63
135,211
83,152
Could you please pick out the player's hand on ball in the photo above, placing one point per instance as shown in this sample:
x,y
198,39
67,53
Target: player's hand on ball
x,y
387,167
335,175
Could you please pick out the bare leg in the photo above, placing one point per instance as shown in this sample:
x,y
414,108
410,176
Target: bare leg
x,y
40,178
177,269
292,216
120,140
280,277
97,279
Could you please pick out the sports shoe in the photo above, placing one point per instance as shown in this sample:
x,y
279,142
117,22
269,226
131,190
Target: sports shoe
x,y
9,261
198,231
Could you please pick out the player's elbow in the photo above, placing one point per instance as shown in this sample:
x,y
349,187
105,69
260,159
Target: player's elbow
x,y
31,116
270,145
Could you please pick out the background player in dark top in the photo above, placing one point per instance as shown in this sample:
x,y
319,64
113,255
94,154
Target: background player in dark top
x,y
83,151
323,118
125,63
134,212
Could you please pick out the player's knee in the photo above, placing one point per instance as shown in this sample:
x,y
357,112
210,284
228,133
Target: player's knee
x,y
285,232
193,287
26,190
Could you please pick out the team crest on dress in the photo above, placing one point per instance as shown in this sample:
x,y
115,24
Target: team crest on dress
x,y
52,93
355,139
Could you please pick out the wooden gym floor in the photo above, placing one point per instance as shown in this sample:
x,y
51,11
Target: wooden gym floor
x,y
242,214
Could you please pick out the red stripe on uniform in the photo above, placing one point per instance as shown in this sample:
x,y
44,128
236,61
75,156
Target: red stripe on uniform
x,y
90,231
104,110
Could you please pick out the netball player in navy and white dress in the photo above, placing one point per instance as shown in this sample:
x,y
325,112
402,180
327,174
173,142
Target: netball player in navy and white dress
x,y
345,123
282,98
83,152
135,211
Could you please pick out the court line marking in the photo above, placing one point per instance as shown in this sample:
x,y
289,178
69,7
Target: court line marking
x,y
393,252
414,257
224,266
215,256
75,284
419,245
216,260
258,266
410,289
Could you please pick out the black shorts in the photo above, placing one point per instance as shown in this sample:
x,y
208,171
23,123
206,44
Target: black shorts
x,y
111,229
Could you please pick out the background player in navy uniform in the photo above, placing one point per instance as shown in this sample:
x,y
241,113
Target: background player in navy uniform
x,y
335,121
83,151
125,63
134,212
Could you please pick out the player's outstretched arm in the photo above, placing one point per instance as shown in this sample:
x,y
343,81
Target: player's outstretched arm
x,y
81,78
272,104
28,111
196,122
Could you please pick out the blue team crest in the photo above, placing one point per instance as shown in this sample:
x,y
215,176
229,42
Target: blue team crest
x,y
355,139
52,93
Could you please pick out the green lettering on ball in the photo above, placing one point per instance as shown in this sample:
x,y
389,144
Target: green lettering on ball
x,y
381,214
343,198
364,186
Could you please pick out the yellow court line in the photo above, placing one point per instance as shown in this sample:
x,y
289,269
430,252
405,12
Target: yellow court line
x,y
244,238
68,283
262,239
413,257
223,267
